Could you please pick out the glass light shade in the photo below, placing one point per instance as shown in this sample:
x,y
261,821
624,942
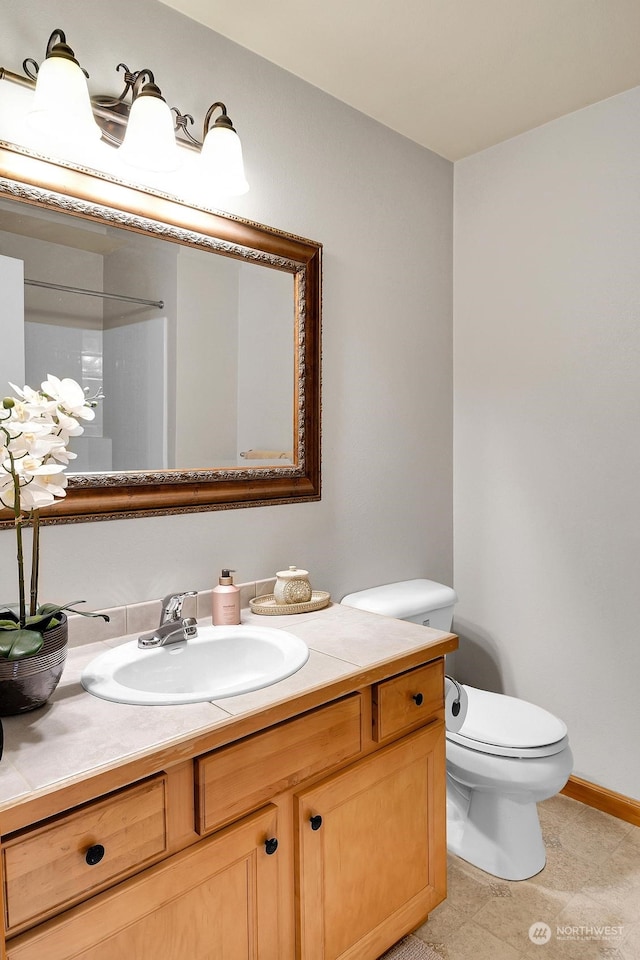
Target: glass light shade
x,y
61,106
221,163
150,141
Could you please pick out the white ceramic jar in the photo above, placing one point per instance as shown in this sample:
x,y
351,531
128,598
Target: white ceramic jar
x,y
292,586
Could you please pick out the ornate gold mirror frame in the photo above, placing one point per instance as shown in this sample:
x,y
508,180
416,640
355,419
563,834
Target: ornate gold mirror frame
x,y
84,193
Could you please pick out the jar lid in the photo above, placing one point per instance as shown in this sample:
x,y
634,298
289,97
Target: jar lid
x,y
293,573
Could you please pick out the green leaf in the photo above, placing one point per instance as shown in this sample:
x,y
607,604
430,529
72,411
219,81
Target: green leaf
x,y
52,609
17,644
41,623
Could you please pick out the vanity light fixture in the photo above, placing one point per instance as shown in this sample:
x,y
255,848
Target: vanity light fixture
x,y
61,84
149,138
142,128
221,151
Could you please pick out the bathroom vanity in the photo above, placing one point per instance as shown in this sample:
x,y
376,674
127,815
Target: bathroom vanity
x,y
305,820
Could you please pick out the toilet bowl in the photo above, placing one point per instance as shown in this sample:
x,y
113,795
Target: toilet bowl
x,y
506,757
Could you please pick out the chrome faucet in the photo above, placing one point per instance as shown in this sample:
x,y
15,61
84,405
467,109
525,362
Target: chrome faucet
x,y
172,606
173,626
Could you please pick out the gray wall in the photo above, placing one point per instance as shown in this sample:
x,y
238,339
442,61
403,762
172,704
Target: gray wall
x,y
382,208
547,354
547,426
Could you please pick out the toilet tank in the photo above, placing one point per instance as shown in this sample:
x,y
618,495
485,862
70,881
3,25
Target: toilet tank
x,y
419,601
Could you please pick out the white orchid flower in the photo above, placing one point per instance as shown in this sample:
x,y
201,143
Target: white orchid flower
x,y
21,412
35,428
62,455
33,400
69,396
6,478
13,428
7,493
27,393
36,441
47,477
27,466
39,484
33,498
69,425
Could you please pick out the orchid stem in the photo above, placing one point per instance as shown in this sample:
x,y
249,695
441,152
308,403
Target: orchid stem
x,y
35,564
18,522
23,612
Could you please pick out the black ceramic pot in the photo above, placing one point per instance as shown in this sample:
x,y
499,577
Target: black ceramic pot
x,y
28,683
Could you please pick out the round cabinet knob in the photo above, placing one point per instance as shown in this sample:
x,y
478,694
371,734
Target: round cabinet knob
x,y
316,822
94,854
418,699
271,845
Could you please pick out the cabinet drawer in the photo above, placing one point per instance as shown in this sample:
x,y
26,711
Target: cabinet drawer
x,y
408,700
220,898
238,778
48,867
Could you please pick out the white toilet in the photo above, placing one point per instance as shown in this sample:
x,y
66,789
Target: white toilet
x,y
506,756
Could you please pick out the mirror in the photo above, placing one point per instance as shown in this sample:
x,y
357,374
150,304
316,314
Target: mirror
x,y
201,330
193,353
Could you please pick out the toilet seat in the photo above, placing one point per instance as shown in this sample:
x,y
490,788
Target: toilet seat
x,y
509,727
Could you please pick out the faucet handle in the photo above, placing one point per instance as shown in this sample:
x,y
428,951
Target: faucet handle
x,y
172,605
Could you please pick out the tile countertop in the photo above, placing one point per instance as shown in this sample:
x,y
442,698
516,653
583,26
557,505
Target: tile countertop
x,y
77,735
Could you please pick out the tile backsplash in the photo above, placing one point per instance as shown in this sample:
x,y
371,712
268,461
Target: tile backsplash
x,y
136,618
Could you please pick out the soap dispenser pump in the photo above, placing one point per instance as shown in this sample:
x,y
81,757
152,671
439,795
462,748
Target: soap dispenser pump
x,y
226,601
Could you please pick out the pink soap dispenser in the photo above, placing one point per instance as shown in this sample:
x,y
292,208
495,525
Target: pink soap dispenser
x,y
226,601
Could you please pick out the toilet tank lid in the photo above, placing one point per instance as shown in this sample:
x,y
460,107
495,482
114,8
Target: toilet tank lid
x,y
407,598
503,721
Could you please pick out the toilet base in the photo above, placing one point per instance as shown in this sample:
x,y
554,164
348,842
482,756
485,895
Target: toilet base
x,y
495,832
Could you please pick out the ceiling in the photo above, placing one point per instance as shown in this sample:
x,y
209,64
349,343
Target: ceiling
x,y
454,75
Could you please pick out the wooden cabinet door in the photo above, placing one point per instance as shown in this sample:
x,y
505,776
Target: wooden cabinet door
x,y
375,864
219,900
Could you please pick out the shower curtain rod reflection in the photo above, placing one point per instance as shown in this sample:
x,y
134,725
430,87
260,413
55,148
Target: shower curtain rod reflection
x,y
94,293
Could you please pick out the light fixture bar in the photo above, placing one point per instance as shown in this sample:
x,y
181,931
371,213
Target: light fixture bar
x,y
112,113
221,151
17,78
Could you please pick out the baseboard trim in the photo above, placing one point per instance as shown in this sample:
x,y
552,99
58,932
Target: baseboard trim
x,y
624,808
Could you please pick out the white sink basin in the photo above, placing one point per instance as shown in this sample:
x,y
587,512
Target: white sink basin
x,y
219,662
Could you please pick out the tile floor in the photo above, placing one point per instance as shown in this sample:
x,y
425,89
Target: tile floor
x,y
591,881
